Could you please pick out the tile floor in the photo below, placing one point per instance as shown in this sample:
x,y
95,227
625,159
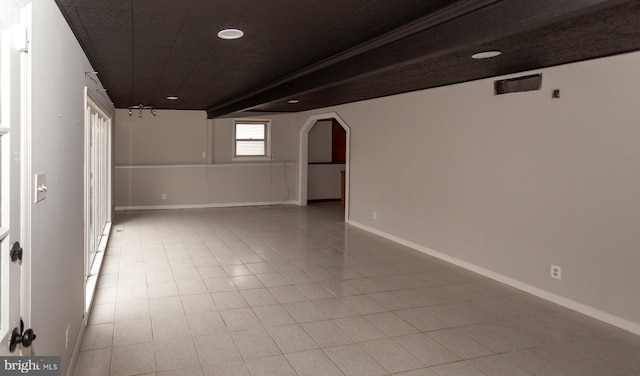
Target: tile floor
x,y
293,291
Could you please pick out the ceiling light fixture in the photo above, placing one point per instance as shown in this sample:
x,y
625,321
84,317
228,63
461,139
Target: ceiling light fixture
x,y
141,107
172,97
486,54
230,34
294,101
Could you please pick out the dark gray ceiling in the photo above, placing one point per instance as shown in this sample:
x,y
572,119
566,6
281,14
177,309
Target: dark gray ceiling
x,y
326,52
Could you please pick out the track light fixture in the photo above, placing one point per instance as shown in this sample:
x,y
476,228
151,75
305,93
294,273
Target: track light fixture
x,y
141,107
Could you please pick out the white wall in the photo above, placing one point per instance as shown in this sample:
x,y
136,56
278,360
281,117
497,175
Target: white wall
x,y
178,170
320,142
141,187
57,117
324,181
170,137
513,183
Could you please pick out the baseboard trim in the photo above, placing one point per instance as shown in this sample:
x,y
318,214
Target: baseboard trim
x,y
590,311
76,347
206,206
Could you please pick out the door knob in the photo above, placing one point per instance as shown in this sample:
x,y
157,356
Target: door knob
x,y
21,336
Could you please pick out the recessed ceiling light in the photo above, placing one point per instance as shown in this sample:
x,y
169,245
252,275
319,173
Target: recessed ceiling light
x,y
486,54
172,97
294,101
230,34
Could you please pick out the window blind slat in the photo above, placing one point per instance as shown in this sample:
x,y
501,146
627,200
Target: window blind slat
x,y
250,148
250,131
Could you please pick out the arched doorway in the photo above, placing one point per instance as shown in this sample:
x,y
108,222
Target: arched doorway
x,y
303,165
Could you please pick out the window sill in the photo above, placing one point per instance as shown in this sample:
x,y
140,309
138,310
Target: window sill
x,y
251,159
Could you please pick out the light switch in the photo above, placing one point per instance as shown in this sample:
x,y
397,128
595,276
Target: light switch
x,y
40,187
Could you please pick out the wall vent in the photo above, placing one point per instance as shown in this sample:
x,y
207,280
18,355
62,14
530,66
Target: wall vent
x,y
518,84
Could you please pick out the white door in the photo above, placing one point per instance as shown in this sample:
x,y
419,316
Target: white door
x,y
11,200
97,190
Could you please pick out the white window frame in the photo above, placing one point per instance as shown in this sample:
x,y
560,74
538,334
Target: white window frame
x,y
98,166
5,186
267,155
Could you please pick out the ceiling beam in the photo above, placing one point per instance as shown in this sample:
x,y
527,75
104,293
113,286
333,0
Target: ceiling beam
x,y
461,26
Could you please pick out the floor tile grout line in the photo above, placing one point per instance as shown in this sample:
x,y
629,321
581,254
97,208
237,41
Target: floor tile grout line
x,y
542,311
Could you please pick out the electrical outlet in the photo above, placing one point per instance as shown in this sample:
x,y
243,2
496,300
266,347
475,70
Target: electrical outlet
x,y
204,154
556,272
374,215
164,196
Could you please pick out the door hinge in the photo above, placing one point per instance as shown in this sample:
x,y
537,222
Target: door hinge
x,y
16,252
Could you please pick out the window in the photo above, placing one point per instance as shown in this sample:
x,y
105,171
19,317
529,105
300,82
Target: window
x,y
97,191
251,139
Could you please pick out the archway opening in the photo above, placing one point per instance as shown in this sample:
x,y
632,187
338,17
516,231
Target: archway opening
x,y
324,161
